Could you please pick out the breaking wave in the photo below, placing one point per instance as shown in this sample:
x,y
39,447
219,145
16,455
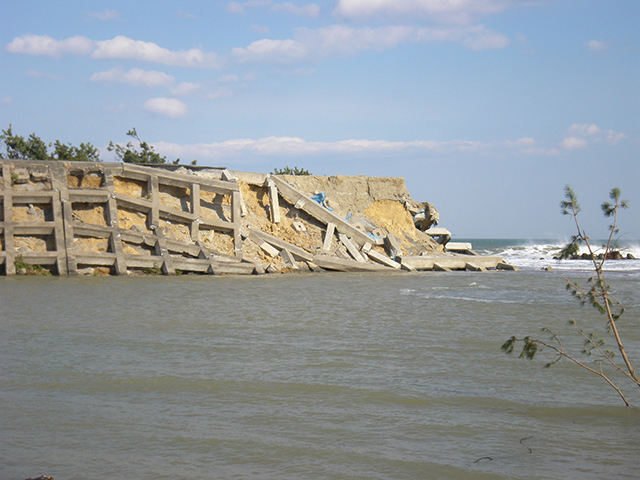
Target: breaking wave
x,y
539,254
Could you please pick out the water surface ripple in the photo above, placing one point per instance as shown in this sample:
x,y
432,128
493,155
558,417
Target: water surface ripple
x,y
324,376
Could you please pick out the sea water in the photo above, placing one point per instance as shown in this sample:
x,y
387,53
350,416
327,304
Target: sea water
x,y
317,376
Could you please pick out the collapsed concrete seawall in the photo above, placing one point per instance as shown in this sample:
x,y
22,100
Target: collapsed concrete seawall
x,y
113,218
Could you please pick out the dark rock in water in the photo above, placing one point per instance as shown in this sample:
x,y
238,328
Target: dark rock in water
x,y
631,257
41,477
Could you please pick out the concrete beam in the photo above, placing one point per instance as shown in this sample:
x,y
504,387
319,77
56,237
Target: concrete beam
x,y
7,205
351,248
507,266
441,268
296,251
454,262
35,228
472,267
343,265
392,245
328,237
288,258
180,180
383,259
115,239
274,205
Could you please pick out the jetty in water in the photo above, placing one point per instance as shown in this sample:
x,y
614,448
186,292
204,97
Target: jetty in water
x,y
70,218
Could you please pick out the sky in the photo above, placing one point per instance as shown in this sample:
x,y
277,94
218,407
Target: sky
x,y
487,108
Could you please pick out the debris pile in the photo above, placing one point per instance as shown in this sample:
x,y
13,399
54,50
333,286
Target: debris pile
x,y
114,218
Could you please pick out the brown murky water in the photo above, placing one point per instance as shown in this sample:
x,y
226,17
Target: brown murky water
x,y
327,376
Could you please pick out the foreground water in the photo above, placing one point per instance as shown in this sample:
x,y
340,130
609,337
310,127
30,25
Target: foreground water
x,y
321,376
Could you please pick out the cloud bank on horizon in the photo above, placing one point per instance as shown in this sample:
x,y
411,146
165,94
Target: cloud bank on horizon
x,y
512,81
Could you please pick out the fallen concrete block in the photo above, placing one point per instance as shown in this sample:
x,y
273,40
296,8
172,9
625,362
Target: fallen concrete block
x,y
383,259
293,196
474,268
392,246
328,237
274,204
344,265
407,267
351,248
269,250
299,226
273,269
440,235
441,268
454,262
298,252
507,266
314,268
288,258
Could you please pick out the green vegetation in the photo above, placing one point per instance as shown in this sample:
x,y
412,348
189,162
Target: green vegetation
x,y
593,355
290,171
155,270
21,265
34,148
130,154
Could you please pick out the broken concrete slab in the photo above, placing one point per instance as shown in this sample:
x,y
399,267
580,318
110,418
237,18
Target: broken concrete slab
x,y
471,267
441,235
343,265
507,266
392,245
279,243
328,236
383,259
268,249
454,262
351,248
441,268
293,196
288,258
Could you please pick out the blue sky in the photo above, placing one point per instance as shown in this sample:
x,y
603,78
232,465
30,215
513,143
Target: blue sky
x,y
486,107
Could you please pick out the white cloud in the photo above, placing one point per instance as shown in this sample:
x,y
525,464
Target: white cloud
x,y
595,133
241,7
119,47
584,129
449,11
185,88
597,46
220,93
168,107
122,47
104,16
343,40
135,76
311,10
38,74
45,45
260,29
572,143
481,39
295,146
228,78
614,137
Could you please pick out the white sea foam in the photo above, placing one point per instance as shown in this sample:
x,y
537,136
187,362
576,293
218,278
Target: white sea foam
x,y
541,254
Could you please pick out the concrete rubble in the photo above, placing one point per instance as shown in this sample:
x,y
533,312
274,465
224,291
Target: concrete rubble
x,y
72,218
